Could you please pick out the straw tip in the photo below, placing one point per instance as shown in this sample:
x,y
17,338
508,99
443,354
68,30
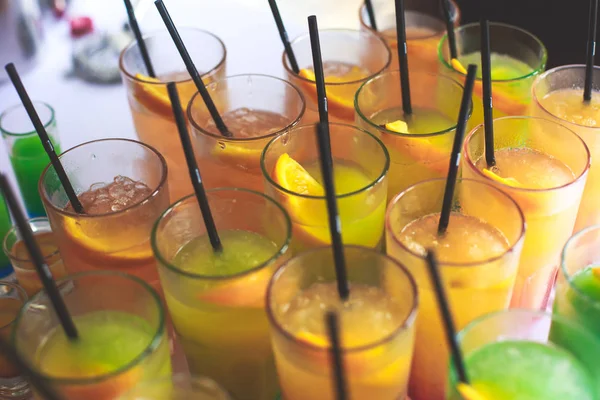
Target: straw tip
x,y
312,18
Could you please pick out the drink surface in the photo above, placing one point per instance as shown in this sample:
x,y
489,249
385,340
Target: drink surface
x,y
568,105
523,370
47,245
247,123
578,298
504,67
118,195
422,120
418,26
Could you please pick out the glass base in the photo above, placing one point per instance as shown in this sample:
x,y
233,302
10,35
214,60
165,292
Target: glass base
x,y
14,388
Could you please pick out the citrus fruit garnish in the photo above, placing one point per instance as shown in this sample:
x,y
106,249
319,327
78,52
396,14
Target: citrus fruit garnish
x,y
468,392
398,126
596,271
506,181
293,177
230,153
154,97
340,100
313,339
457,65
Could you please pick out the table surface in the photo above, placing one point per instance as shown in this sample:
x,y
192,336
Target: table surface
x,y
88,111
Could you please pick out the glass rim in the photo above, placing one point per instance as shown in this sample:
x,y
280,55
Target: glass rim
x,y
536,71
366,25
471,165
207,385
171,267
14,230
158,336
513,244
372,183
563,265
363,117
197,127
23,298
356,32
542,77
404,326
157,33
141,203
14,107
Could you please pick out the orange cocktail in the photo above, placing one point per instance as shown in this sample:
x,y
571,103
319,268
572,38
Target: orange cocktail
x,y
12,384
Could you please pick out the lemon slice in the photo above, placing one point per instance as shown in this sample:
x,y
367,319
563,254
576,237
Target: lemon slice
x,y
239,155
313,339
457,65
153,97
398,126
468,392
506,181
293,177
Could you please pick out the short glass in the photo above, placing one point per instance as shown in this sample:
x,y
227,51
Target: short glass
x,y
378,369
522,57
220,320
148,98
473,288
179,387
26,152
12,384
17,252
578,283
517,356
118,240
362,162
549,213
571,78
350,58
122,336
425,25
416,156
255,108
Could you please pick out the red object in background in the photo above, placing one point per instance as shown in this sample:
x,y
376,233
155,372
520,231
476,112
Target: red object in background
x,y
81,26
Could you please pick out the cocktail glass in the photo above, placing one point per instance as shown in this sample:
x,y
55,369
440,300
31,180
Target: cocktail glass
x,y
350,58
477,279
26,152
360,163
12,384
550,163
517,58
377,325
116,240
217,301
179,387
255,108
17,252
558,95
425,26
509,355
424,152
148,98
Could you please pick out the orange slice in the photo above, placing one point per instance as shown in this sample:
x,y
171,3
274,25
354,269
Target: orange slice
x,y
246,291
505,181
154,97
457,65
596,272
340,100
313,339
292,176
239,155
468,392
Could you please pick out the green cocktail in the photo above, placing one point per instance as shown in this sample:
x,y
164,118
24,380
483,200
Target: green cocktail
x,y
26,152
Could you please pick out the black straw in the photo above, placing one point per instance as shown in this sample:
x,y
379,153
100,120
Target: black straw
x,y
284,37
46,142
38,259
315,45
461,125
486,76
333,331
591,50
335,225
403,57
193,169
39,383
450,29
139,39
191,68
371,13
447,317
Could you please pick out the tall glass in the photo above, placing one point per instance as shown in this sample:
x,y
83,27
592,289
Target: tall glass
x,y
578,284
473,288
360,163
179,387
219,313
116,240
12,384
550,212
17,252
148,98
350,58
425,25
510,355
26,152
255,108
517,58
423,153
377,367
582,119
122,336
